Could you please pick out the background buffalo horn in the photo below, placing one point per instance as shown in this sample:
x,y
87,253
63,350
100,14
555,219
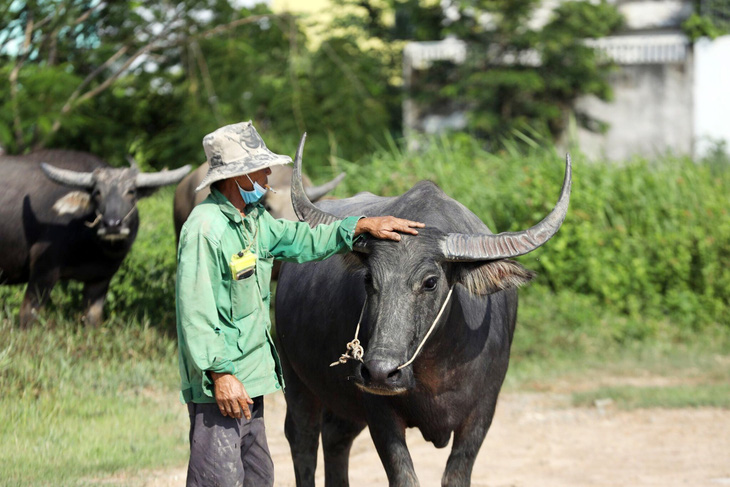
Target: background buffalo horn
x,y
463,247
316,192
74,179
304,208
162,178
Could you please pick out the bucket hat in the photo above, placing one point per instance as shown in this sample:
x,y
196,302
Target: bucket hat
x,y
234,150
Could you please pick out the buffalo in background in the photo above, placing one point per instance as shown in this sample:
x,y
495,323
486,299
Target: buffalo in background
x,y
426,324
68,215
278,204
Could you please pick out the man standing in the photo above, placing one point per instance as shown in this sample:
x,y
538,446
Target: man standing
x,y
227,357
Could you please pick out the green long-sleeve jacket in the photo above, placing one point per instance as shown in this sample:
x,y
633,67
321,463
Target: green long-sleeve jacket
x,y
222,323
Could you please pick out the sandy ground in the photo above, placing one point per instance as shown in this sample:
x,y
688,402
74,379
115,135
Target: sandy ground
x,y
538,440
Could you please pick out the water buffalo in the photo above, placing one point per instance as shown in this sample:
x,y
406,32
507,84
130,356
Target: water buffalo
x,y
434,315
68,215
278,204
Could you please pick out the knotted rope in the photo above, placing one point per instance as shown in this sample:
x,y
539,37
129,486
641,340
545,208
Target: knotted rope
x,y
358,352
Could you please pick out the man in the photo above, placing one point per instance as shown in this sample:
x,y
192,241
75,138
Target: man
x,y
227,357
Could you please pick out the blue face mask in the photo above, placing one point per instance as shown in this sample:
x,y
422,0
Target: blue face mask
x,y
251,196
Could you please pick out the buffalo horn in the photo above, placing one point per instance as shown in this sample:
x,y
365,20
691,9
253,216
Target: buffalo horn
x,y
303,207
74,179
314,193
460,247
162,178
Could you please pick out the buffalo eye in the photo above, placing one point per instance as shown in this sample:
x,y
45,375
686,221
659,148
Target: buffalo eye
x,y
132,191
368,279
430,283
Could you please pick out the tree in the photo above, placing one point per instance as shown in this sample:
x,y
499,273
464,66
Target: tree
x,y
151,79
95,75
520,73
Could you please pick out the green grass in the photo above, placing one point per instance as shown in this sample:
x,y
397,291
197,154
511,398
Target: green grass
x,y
567,343
81,402
684,396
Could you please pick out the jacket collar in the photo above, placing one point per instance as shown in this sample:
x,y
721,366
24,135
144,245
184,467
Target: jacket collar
x,y
227,208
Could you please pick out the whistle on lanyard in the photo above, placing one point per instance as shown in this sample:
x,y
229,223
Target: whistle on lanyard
x,y
243,264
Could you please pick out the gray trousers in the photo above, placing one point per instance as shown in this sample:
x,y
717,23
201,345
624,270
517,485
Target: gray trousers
x,y
228,452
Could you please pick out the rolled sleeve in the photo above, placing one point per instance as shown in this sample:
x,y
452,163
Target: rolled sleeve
x,y
298,242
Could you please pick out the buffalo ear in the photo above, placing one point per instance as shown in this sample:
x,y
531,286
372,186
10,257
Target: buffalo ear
x,y
73,203
489,277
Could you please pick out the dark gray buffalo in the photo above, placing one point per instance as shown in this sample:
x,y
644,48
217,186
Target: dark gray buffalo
x,y
437,314
278,204
68,215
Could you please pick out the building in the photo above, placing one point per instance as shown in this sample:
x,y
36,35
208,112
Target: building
x,y
669,95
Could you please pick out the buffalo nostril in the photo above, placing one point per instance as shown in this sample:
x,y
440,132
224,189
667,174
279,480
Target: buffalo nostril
x,y
365,373
380,371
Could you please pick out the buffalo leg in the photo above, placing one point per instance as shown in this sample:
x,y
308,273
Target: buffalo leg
x,y
389,436
36,294
301,427
337,437
94,297
468,439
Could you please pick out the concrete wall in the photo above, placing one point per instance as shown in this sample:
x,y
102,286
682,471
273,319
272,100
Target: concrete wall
x,y
651,113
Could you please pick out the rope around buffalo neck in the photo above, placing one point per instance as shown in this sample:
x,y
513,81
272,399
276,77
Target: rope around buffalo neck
x,y
358,352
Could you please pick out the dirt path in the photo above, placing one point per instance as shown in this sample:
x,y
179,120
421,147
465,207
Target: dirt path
x,y
537,440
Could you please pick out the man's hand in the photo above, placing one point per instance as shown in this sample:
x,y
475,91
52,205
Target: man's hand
x,y
231,396
387,227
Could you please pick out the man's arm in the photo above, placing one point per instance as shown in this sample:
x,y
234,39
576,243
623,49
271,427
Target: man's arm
x,y
386,227
297,242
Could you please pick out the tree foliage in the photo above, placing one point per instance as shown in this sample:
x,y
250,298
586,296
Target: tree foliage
x,y
151,79
522,73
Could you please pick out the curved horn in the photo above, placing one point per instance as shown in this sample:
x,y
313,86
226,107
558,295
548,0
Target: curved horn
x,y
74,179
463,247
314,193
162,178
304,208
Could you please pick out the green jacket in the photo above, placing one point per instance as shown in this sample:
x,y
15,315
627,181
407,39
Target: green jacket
x,y
223,324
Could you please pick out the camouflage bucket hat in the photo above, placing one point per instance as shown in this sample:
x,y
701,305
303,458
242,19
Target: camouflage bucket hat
x,y
234,150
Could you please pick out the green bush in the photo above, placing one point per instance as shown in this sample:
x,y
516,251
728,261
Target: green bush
x,y
644,238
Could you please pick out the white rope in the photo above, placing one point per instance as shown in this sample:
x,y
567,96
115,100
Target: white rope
x,y
358,352
433,325
99,216
95,222
353,346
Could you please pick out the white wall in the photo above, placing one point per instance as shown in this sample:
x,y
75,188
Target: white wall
x,y
711,93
